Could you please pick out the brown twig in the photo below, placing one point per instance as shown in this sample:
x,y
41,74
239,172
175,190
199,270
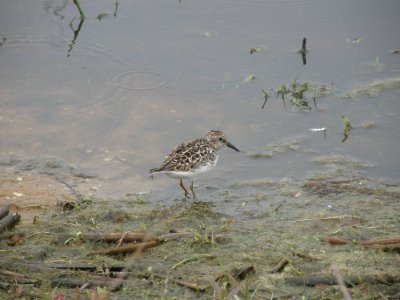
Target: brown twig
x,y
312,280
386,248
75,267
130,248
190,285
349,281
384,242
183,234
319,183
78,282
380,242
280,266
148,241
11,277
340,282
118,237
334,241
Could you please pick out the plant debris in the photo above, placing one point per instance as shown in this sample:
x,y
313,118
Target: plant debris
x,y
300,94
347,127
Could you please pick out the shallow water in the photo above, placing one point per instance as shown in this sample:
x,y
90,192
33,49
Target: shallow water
x,y
117,91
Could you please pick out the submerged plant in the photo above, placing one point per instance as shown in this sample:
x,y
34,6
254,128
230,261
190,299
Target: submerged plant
x,y
266,96
299,94
347,127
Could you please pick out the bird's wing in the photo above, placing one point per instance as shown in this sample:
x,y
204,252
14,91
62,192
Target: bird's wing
x,y
186,156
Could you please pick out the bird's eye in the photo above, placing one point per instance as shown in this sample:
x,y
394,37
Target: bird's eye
x,y
221,139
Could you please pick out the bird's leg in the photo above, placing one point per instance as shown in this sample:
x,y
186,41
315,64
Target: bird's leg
x,y
183,187
192,189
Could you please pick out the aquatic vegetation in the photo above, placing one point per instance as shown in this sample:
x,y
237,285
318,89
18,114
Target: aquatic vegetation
x,y
347,127
356,40
373,88
279,148
78,6
300,94
255,50
249,77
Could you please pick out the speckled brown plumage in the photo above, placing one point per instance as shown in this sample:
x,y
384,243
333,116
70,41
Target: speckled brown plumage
x,y
188,156
194,157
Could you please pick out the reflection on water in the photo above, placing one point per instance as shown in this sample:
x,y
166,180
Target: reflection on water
x,y
134,86
3,39
76,33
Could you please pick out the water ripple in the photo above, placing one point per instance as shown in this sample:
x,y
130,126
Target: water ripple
x,y
140,80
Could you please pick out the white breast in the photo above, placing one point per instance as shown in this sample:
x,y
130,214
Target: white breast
x,y
194,172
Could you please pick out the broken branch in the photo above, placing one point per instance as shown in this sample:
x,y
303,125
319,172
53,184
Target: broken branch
x,y
4,211
115,237
131,248
9,221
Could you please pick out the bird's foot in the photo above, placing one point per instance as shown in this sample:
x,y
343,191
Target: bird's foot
x,y
193,193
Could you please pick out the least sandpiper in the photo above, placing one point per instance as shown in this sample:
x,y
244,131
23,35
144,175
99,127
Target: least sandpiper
x,y
194,157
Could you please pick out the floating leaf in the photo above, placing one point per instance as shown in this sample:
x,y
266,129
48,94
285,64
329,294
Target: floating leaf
x,y
255,50
249,77
354,41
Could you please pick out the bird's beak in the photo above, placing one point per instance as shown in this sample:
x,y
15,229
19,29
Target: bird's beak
x,y
232,147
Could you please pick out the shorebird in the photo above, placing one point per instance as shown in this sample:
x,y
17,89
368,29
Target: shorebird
x,y
194,157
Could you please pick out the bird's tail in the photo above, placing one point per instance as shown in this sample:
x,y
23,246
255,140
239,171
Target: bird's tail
x,y
154,170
